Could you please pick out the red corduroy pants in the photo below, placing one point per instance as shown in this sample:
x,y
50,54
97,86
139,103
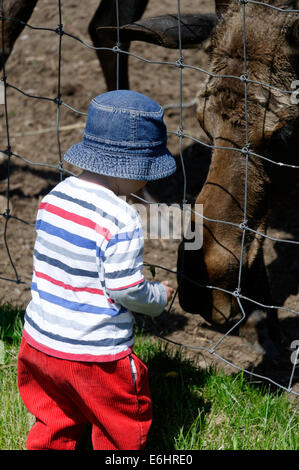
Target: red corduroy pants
x,y
65,395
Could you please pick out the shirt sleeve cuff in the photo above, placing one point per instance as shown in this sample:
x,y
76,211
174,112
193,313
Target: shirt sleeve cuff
x,y
149,298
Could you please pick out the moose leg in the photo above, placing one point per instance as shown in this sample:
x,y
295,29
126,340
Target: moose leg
x,y
16,10
106,15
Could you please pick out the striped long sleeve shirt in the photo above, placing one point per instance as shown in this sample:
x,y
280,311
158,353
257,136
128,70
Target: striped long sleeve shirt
x,y
87,275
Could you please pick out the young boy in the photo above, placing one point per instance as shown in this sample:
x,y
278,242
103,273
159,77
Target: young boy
x,y
76,364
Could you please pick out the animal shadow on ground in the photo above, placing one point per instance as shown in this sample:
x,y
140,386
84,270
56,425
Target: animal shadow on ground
x,y
283,272
284,269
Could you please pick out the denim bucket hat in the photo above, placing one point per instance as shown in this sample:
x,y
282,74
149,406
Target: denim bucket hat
x,y
124,137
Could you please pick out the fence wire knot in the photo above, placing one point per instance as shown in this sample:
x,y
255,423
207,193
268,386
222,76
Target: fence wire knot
x,y
59,30
6,214
237,292
180,132
58,100
179,62
245,150
8,151
244,77
243,225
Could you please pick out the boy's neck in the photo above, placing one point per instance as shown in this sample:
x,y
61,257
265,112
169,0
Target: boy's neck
x,y
120,186
101,180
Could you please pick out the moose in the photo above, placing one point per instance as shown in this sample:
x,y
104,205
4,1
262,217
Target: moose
x,y
257,49
239,183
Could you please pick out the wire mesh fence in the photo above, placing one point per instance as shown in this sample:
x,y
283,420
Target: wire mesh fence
x,y
59,33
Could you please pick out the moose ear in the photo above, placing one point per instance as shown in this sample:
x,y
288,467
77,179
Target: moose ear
x,y
164,30
293,34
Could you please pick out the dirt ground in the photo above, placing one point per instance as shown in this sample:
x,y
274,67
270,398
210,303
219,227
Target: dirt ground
x,y
32,67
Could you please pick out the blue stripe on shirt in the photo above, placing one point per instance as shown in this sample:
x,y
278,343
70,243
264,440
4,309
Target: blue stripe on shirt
x,y
76,306
123,273
101,342
65,235
125,236
58,264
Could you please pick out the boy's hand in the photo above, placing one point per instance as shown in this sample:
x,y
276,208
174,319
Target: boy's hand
x,y
169,290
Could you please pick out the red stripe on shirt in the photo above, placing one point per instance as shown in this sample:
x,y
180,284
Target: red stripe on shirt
x,y
78,219
103,231
126,287
69,287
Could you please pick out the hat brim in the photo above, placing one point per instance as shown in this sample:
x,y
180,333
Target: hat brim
x,y
137,167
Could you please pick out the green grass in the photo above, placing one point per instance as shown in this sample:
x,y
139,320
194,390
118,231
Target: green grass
x,y
15,421
11,323
192,408
205,410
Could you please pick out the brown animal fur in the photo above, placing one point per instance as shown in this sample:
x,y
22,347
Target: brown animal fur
x,y
221,113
